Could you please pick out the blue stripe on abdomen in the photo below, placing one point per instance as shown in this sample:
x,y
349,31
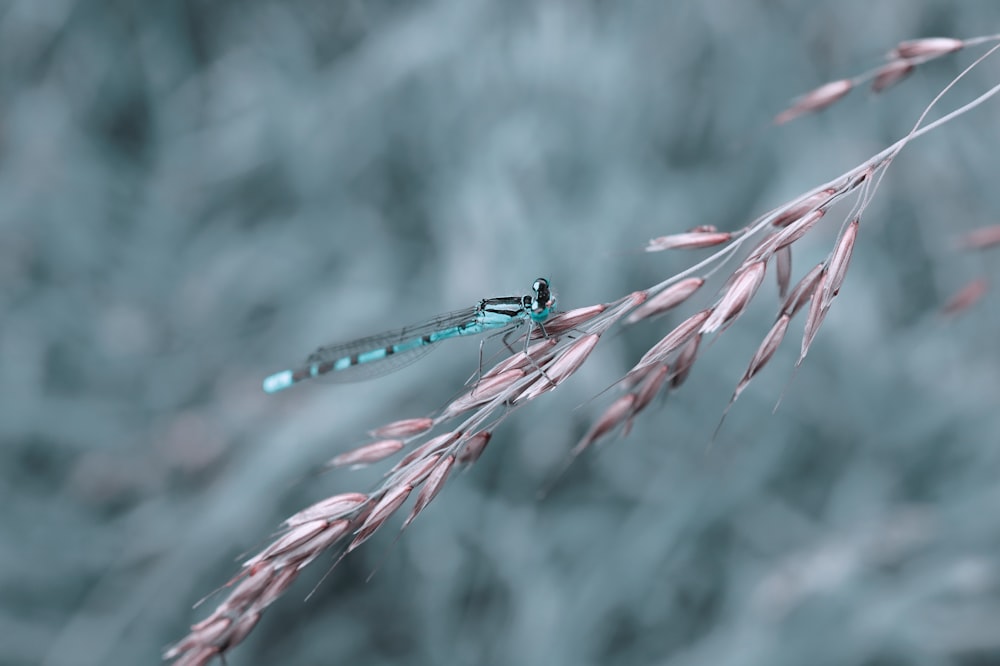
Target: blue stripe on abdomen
x,y
374,355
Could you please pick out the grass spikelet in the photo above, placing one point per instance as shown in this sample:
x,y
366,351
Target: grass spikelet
x,y
815,100
666,300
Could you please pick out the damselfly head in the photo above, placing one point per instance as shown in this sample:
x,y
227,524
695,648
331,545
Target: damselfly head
x,y
542,301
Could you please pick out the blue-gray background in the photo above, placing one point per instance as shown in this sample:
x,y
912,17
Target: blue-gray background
x,y
194,194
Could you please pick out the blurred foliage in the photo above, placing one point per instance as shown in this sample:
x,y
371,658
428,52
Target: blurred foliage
x,y
195,193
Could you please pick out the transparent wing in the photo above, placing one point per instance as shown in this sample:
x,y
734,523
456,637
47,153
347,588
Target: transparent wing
x,y
390,363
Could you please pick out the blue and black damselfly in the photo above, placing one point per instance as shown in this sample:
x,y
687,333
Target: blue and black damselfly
x,y
379,354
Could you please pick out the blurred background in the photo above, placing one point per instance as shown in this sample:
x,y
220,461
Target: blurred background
x,y
194,194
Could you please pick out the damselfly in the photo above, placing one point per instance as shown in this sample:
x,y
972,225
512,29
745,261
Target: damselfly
x,y
386,352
